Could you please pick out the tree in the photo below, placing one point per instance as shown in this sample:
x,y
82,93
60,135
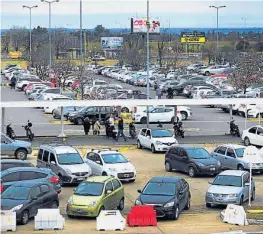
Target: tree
x,y
19,38
242,45
100,31
249,71
84,77
59,42
162,45
259,46
210,51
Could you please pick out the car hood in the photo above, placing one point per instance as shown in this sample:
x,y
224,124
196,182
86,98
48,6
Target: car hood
x,y
22,143
165,139
155,199
77,168
121,167
207,161
7,204
84,200
224,189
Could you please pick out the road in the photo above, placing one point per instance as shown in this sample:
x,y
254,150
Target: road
x,y
205,121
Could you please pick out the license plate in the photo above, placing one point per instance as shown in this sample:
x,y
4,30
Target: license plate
x,y
126,175
82,178
79,210
212,169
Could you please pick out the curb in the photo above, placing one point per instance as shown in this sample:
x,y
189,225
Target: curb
x,y
5,84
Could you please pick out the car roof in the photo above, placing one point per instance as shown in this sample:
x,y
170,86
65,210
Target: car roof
x,y
16,169
165,179
188,147
28,183
104,151
98,179
59,149
13,161
233,172
233,146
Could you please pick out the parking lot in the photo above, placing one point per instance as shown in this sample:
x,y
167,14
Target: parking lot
x,y
198,219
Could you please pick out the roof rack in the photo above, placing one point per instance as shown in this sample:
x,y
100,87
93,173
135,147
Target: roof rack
x,y
103,149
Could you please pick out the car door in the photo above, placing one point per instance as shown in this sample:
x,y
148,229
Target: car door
x,y
219,154
7,146
259,137
148,139
183,161
45,195
156,115
10,179
180,196
183,194
230,159
245,180
168,115
90,160
45,158
40,162
98,165
251,134
53,163
142,136
174,157
36,201
109,199
117,190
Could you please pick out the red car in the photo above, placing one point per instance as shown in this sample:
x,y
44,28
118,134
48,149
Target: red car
x,y
49,84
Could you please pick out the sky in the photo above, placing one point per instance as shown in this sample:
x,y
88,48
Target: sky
x,y
116,14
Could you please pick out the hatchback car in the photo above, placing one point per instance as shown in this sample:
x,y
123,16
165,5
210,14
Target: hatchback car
x,y
230,187
10,163
168,195
13,175
253,136
26,197
95,194
191,159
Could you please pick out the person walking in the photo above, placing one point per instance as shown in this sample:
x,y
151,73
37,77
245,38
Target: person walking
x,y
86,125
159,93
93,121
120,129
96,128
13,83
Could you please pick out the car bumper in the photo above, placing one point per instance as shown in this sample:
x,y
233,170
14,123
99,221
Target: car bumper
x,y
74,179
92,211
221,201
163,147
125,176
163,211
211,170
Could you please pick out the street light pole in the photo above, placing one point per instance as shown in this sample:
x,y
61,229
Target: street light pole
x,y
30,33
80,39
148,59
50,44
217,18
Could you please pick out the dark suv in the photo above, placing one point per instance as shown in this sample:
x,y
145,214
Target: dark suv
x,y
191,159
101,113
10,163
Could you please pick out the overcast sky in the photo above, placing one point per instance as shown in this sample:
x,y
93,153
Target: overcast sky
x,y
116,14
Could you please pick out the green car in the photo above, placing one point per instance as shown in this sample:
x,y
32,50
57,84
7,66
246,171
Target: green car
x,y
95,194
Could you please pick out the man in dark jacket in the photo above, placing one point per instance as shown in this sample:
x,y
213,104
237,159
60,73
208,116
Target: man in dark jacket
x,y
13,83
120,130
86,125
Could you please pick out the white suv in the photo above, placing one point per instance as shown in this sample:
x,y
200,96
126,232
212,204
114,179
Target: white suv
x,y
107,162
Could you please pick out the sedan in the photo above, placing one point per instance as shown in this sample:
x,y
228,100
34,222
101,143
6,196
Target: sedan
x,y
168,195
25,198
230,187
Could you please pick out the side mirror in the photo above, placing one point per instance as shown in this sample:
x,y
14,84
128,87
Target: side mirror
x,y
247,184
185,158
34,198
98,162
149,137
139,191
53,163
209,182
108,192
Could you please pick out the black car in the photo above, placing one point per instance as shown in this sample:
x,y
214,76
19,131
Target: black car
x,y
101,113
26,197
10,163
178,89
168,195
191,159
18,174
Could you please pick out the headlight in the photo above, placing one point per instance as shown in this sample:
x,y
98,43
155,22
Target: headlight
x,y
70,202
158,143
68,171
169,204
16,208
112,169
233,195
209,194
94,203
200,164
138,203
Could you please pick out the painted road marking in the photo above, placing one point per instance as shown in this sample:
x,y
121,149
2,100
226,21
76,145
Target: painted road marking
x,y
255,120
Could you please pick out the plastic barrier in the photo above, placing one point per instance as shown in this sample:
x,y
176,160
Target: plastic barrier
x,y
142,216
8,221
234,214
110,220
49,219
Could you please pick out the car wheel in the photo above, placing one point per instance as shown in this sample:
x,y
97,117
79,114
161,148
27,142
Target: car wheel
x,y
54,205
184,115
175,92
241,201
25,217
172,120
188,204
246,141
240,168
121,204
79,121
253,196
125,110
143,120
168,167
207,73
208,205
104,173
139,146
21,154
153,149
175,216
191,172
132,181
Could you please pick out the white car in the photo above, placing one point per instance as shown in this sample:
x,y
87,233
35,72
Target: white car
x,y
217,69
55,97
253,136
107,162
156,139
21,84
255,112
245,107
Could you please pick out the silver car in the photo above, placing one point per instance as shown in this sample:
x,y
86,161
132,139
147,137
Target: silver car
x,y
230,187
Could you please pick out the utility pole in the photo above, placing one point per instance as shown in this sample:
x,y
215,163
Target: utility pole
x,y
148,60
80,36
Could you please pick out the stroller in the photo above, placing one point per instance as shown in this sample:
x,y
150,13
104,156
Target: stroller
x,y
110,130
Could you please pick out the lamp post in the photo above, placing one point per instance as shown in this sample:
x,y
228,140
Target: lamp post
x,y
30,33
50,45
217,9
148,60
80,36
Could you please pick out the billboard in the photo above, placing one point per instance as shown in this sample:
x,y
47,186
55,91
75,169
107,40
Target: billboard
x,y
111,43
193,37
140,26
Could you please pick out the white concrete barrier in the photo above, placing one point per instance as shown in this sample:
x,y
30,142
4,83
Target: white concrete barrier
x,y
8,221
47,219
234,214
110,220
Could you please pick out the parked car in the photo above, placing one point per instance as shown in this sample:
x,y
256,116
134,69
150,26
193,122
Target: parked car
x,y
17,148
107,162
191,159
66,111
95,194
156,139
64,161
253,136
217,69
51,107
13,175
10,163
230,187
26,197
168,195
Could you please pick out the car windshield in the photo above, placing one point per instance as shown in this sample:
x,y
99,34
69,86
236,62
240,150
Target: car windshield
x,y
114,158
228,180
70,158
89,189
16,193
162,189
161,133
198,153
240,152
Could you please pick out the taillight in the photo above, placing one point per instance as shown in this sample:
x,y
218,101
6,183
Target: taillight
x,y
135,109
178,112
54,179
1,188
243,105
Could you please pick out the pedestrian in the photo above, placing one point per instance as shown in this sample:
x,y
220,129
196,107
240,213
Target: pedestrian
x,y
159,93
111,120
13,82
96,128
93,121
86,125
120,129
